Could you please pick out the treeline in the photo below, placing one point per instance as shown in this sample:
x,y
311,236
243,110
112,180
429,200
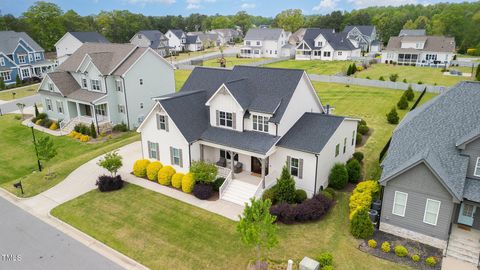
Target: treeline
x,y
46,22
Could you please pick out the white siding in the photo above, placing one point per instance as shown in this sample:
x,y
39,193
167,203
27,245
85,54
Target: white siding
x,y
223,101
66,46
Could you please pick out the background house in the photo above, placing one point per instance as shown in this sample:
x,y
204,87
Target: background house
x,y
71,41
266,42
251,122
21,56
431,174
227,35
106,84
412,32
153,39
176,39
362,36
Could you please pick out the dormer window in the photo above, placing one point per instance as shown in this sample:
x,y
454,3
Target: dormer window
x,y
119,85
50,86
225,119
38,56
260,123
96,85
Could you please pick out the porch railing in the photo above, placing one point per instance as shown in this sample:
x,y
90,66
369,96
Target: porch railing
x,y
259,190
227,174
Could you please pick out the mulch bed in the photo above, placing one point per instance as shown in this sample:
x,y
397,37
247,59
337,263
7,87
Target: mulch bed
x,y
413,247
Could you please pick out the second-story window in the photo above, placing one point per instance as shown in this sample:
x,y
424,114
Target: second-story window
x,y
21,59
96,85
226,119
141,81
260,123
258,42
38,56
50,86
119,85
30,57
84,83
2,61
247,43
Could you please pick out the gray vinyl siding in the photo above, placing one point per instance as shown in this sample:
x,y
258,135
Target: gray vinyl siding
x,y
473,151
420,184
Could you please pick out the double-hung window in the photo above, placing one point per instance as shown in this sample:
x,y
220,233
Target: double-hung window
x,y
2,61
399,203
476,170
345,145
353,137
84,83
260,123
22,59
119,85
60,107
48,102
176,156
153,150
294,166
337,150
6,75
38,56
162,122
432,208
226,119
96,85
25,73
50,86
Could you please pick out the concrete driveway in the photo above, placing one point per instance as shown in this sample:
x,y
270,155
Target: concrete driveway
x,y
11,106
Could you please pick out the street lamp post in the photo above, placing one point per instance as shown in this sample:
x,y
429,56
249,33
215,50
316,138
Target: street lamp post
x,y
30,125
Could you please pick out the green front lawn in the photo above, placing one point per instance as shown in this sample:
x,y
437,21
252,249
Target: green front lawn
x,y
314,66
18,161
425,75
163,233
19,93
231,61
371,104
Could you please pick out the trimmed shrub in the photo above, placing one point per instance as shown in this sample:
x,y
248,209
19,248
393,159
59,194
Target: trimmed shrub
x,y
358,156
359,139
203,172
361,226
393,77
218,183
386,247
120,128
400,251
310,210
165,175
93,130
177,180
38,122
392,117
85,138
152,170
362,122
108,183
402,104
431,261
354,169
331,191
372,243
300,195
381,78
325,258
363,129
53,126
203,191
415,257
405,80
285,187
140,167
270,194
326,194
188,182
409,94
338,177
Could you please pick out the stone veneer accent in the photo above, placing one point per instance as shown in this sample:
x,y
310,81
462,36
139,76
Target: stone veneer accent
x,y
422,238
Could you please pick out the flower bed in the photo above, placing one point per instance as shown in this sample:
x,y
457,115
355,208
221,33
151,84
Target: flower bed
x,y
417,253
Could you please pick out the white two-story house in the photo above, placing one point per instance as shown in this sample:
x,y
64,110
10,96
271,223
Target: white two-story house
x,y
266,42
250,121
413,50
106,84
71,41
176,39
326,44
363,36
153,39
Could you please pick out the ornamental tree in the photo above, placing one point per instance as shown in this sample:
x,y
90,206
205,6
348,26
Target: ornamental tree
x,y
111,162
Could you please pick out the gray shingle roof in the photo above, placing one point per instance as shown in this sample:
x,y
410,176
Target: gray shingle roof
x,y
65,83
338,41
177,32
311,132
191,39
312,33
9,41
430,133
89,37
252,141
263,34
154,36
412,32
364,29
85,95
472,190
432,44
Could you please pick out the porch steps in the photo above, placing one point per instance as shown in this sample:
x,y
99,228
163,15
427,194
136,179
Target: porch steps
x,y
464,248
239,192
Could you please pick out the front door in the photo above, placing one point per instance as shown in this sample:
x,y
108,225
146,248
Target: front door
x,y
467,214
257,166
88,110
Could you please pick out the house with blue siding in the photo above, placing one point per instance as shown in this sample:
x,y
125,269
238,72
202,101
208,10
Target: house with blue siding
x,y
21,55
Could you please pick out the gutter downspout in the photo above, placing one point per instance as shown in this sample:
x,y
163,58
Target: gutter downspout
x,y
276,129
316,172
126,103
190,154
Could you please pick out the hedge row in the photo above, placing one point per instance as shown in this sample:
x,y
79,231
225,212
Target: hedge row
x,y
310,210
363,195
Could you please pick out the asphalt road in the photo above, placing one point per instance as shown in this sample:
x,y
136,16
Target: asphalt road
x,y
28,243
12,106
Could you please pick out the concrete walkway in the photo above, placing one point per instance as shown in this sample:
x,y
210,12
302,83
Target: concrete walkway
x,y
450,263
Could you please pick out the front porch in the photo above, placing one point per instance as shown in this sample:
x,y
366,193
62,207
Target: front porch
x,y
83,113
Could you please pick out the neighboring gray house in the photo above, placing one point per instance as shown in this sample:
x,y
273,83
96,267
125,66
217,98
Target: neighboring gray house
x,y
208,39
227,36
153,39
106,84
431,174
412,32
71,41
361,36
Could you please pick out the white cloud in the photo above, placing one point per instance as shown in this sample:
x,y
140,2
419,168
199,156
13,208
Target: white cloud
x,y
196,4
248,5
193,6
326,5
144,2
369,3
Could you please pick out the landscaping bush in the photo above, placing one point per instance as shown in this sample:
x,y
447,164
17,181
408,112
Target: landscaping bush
x,y
85,138
177,180
359,139
409,94
354,170
109,183
419,82
415,257
120,128
400,251
218,183
381,78
165,175
285,190
152,170
326,194
363,195
393,77
300,195
188,182
358,156
392,117
338,177
140,167
372,243
270,194
53,126
331,191
203,191
310,210
363,129
386,247
405,80
402,103
361,226
325,258
362,122
93,130
431,261
203,172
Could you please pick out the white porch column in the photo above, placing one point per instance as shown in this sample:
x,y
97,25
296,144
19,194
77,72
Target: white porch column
x,y
232,154
78,109
262,160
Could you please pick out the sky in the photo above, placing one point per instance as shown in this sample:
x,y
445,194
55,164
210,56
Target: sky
x,y
268,8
